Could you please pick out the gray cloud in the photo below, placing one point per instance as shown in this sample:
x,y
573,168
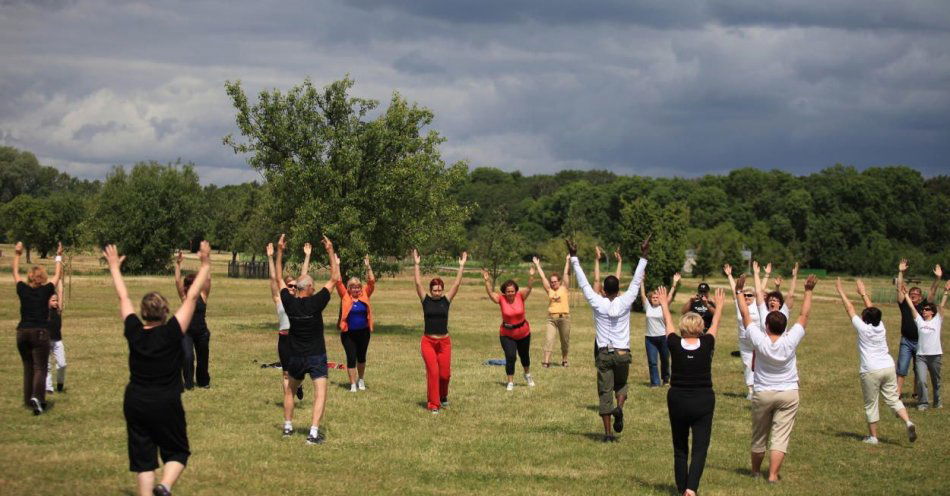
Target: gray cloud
x,y
661,88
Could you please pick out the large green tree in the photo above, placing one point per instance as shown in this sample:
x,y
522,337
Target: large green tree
x,y
148,213
373,185
668,226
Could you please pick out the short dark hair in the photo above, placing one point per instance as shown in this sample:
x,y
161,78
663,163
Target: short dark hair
x,y
611,285
929,306
777,295
436,281
871,315
506,284
775,322
189,280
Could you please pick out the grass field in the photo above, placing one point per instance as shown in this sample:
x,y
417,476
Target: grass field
x,y
542,440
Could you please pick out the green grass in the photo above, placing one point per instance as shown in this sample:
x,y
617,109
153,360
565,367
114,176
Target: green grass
x,y
530,441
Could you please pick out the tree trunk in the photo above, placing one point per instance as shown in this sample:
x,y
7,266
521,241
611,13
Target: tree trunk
x,y
234,256
28,256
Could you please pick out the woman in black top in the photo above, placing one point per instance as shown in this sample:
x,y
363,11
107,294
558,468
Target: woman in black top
x,y
690,400
198,338
154,416
32,333
436,344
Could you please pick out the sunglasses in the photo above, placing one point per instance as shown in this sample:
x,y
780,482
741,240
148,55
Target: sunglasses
x,y
747,295
291,286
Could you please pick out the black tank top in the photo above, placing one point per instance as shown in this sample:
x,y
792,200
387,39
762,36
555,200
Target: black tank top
x,y
55,326
436,315
198,325
691,369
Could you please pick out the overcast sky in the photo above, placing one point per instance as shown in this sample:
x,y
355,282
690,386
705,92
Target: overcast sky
x,y
656,88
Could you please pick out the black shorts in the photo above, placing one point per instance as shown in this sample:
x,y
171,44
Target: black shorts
x,y
299,366
155,422
283,350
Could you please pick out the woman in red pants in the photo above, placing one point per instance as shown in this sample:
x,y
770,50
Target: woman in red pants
x,y
436,343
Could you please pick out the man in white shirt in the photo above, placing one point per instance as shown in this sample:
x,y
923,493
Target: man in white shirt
x,y
612,321
878,376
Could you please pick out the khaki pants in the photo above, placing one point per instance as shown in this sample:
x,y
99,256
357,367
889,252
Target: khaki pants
x,y
613,369
880,382
773,416
559,325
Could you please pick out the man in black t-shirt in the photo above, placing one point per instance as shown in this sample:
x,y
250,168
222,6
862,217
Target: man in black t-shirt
x,y
908,346
308,352
701,304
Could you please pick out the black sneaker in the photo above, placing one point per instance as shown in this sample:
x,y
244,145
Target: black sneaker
x,y
444,401
36,406
318,439
299,392
161,490
60,387
206,386
288,431
618,419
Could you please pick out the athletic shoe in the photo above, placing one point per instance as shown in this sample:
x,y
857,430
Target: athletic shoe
x,y
435,411
939,405
299,392
206,386
37,407
361,385
50,389
618,419
529,380
318,439
444,401
922,407
912,432
353,388
510,386
161,490
869,440
60,387
749,396
288,431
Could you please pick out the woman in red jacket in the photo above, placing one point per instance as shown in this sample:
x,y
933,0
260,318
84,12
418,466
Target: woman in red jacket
x,y
356,324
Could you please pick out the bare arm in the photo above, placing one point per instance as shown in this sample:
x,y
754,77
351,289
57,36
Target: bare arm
x,y
718,299
488,289
58,274
187,309
742,308
859,285
112,257
848,307
687,305
334,264
417,277
60,296
901,267
544,280
664,304
938,278
281,244
943,300
768,274
307,250
17,251
274,288
806,304
526,291
618,272
179,284
643,296
727,269
458,277
566,276
790,298
759,295
676,281
597,283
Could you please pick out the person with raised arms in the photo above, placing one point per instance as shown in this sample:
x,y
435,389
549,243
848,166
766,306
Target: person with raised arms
x,y
154,415
929,321
773,301
514,332
197,342
283,321
690,401
356,324
655,334
32,333
57,352
775,392
436,346
598,287
612,341
559,311
877,367
906,354
746,350
308,348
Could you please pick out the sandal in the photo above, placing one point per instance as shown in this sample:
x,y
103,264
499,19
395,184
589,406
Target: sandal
x,y
546,365
564,363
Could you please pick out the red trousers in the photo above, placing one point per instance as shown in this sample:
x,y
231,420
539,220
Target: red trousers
x,y
437,354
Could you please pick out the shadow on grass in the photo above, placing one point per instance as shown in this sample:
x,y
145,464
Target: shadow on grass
x,y
860,437
730,394
662,488
397,329
260,326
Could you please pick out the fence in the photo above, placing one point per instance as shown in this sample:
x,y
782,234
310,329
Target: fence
x,y
248,270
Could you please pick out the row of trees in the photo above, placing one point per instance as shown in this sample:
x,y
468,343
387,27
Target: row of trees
x,y
378,185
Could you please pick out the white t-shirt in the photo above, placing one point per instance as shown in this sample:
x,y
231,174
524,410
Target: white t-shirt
x,y
764,312
656,327
775,366
744,343
283,321
872,345
928,335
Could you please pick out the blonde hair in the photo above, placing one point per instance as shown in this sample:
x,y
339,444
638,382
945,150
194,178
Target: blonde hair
x,y
353,281
37,276
691,325
154,307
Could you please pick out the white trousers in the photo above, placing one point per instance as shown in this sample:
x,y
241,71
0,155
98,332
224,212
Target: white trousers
x,y
57,355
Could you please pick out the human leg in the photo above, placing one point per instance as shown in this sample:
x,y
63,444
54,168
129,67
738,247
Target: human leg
x,y
934,363
652,355
664,361
39,341
701,426
761,414
26,356
870,389
202,356
362,346
59,356
428,348
524,352
550,332
679,427
510,348
444,358
188,360
605,382
783,420
349,347
319,400
564,332
923,398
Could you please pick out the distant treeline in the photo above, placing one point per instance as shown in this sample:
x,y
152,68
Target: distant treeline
x,y
837,219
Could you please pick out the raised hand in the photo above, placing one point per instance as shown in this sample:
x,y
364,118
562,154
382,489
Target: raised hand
x,y
204,253
902,266
59,251
18,248
663,294
645,246
535,261
676,278
366,261
838,286
795,270
270,249
282,243
485,275
307,248
327,244
531,270
755,267
859,285
811,282
571,247
179,258
946,287
719,298
111,254
415,257
617,255
938,272
598,252
725,268
777,281
740,283
768,268
462,259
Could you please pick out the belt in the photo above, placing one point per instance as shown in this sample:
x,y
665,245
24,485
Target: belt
x,y
611,349
558,315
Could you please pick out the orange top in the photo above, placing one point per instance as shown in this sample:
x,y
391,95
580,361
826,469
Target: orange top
x,y
346,303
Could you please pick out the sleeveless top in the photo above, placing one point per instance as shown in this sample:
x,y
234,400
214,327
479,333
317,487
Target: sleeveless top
x,y
691,368
198,324
435,313
513,320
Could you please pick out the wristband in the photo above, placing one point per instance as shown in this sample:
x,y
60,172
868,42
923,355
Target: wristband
x,y
59,259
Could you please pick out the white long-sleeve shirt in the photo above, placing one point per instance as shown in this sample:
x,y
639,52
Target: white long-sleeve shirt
x,y
611,317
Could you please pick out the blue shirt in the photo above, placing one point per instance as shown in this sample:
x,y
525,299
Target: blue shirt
x,y
356,320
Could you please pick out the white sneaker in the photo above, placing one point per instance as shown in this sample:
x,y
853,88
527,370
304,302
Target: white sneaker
x,y
361,385
749,396
353,388
529,380
510,386
869,440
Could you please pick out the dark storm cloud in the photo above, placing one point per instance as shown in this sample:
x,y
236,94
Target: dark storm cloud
x,y
671,88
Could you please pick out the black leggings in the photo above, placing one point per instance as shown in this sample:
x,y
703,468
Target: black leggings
x,y
690,409
355,342
513,348
196,346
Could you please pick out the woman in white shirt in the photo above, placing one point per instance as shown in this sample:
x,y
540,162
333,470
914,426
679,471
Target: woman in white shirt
x,y
746,351
655,334
878,376
775,392
929,352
